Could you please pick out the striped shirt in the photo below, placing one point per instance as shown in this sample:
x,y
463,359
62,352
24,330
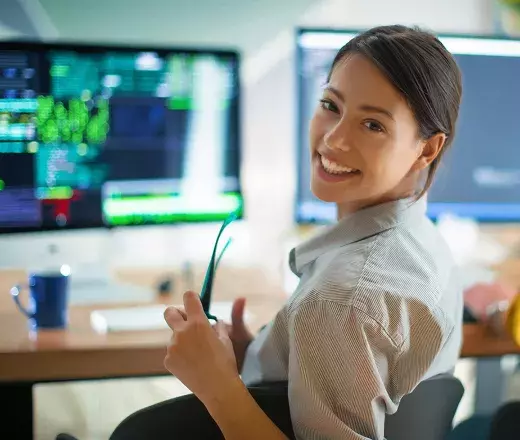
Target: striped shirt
x,y
377,310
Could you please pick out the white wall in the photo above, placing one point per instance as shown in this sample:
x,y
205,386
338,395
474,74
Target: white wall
x,y
263,31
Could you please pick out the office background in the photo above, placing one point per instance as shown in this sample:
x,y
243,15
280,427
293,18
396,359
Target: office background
x,y
264,32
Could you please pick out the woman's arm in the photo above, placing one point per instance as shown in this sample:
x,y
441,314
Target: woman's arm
x,y
202,358
239,417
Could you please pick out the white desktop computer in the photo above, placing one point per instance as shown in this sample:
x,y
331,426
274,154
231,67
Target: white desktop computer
x,y
106,150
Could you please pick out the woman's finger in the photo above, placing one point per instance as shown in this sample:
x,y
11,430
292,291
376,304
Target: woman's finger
x,y
222,330
193,307
182,311
174,318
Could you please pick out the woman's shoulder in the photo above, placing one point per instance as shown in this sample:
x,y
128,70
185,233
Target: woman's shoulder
x,y
335,274
406,255
402,271
410,278
397,261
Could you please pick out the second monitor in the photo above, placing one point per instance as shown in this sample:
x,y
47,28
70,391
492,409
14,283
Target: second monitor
x,y
105,136
480,174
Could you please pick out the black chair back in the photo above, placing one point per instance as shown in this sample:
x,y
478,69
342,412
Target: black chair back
x,y
186,418
427,414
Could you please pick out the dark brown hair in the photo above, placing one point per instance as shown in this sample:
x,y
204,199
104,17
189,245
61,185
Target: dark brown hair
x,y
422,69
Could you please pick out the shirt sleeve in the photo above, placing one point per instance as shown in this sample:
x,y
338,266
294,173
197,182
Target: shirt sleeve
x,y
340,367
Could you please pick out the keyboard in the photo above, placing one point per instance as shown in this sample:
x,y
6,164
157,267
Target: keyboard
x,y
147,317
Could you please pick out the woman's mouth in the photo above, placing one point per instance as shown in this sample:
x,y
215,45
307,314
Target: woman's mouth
x,y
331,171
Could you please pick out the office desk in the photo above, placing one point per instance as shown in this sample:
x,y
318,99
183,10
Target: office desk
x,y
79,353
479,342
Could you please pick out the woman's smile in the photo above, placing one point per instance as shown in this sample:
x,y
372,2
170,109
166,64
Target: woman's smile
x,y
330,171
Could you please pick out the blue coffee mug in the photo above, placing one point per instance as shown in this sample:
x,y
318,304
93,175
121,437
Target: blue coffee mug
x,y
48,298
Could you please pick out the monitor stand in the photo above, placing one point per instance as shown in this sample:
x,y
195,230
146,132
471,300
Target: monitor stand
x,y
95,285
92,282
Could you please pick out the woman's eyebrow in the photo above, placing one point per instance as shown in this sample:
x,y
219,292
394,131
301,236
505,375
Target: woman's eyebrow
x,y
364,107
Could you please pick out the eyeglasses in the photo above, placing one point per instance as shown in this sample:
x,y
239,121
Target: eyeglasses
x,y
206,291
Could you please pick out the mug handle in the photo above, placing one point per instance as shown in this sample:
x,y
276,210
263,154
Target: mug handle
x,y
15,293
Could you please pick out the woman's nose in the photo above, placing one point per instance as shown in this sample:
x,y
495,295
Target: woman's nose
x,y
337,138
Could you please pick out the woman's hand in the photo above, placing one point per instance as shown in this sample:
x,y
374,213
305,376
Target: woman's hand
x,y
202,358
238,332
199,355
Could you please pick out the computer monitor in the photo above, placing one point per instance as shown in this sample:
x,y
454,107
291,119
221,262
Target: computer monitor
x,y
105,136
480,174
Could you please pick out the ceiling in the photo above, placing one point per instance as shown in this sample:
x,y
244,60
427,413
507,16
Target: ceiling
x,y
180,22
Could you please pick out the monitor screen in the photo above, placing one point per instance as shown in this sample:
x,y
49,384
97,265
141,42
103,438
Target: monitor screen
x,y
480,174
96,136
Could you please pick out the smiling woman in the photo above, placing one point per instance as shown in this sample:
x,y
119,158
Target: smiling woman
x,y
378,308
374,117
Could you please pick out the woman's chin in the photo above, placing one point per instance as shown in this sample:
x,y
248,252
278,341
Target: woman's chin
x,y
335,189
326,195
326,199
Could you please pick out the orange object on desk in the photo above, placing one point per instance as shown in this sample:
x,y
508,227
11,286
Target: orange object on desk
x,y
513,319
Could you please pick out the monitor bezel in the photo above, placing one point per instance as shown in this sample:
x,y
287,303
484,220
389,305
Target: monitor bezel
x,y
161,50
301,221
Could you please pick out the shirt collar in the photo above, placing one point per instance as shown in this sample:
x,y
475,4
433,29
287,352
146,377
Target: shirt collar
x,y
356,227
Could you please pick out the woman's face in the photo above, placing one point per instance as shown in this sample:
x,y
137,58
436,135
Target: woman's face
x,y
364,139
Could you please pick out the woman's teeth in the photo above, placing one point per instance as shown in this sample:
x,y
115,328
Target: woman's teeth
x,y
335,168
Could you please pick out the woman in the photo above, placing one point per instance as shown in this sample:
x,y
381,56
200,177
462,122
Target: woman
x,y
377,309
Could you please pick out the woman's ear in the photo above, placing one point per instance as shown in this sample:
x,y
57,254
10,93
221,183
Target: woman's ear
x,y
430,150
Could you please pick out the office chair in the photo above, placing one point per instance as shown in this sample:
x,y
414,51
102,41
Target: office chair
x,y
504,422
476,427
427,414
157,422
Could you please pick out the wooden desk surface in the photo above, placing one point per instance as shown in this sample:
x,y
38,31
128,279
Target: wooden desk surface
x,y
81,353
480,342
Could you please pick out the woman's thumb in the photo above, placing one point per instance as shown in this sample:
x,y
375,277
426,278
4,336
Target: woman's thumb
x,y
237,312
222,330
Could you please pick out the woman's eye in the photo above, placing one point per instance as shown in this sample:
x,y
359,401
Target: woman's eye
x,y
328,105
374,126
